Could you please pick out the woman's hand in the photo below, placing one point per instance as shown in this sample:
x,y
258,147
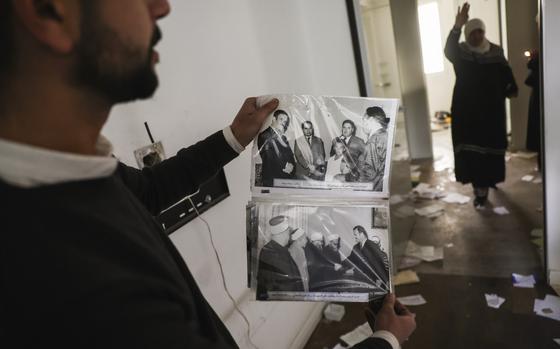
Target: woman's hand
x,y
462,15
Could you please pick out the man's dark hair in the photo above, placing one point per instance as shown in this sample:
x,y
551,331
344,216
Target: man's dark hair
x,y
378,114
307,123
361,230
375,111
280,112
348,121
6,37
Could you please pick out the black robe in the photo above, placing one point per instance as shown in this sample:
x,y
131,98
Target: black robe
x,y
483,81
277,271
370,263
275,152
534,117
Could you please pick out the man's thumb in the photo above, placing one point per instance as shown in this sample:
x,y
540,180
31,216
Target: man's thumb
x,y
389,301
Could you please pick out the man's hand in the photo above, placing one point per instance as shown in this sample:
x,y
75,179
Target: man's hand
x,y
462,15
249,120
393,317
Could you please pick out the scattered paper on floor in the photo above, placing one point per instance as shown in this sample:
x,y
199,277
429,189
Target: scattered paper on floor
x,y
359,334
430,211
537,233
426,191
501,210
339,346
412,300
494,301
539,242
414,167
409,262
425,253
449,245
548,307
396,199
523,281
527,178
456,198
557,340
406,277
404,211
537,180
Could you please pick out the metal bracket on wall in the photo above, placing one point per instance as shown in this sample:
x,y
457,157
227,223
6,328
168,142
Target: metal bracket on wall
x,y
210,194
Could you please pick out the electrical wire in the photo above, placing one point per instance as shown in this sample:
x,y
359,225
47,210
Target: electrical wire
x,y
222,273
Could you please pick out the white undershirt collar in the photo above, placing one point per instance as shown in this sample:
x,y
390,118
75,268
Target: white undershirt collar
x,y
27,166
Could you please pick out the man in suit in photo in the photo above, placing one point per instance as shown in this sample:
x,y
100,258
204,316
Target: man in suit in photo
x,y
277,269
369,262
278,160
372,162
310,154
354,146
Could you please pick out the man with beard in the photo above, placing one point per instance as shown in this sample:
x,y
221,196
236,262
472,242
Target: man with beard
x,y
278,160
277,270
92,268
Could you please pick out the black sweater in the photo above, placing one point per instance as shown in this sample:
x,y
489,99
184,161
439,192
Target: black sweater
x,y
84,265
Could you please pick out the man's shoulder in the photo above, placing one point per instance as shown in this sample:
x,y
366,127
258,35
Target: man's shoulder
x,y
357,140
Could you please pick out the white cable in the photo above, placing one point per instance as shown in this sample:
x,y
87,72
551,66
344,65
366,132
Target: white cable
x,y
222,272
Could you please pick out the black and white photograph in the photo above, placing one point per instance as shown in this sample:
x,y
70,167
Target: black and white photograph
x,y
319,253
329,146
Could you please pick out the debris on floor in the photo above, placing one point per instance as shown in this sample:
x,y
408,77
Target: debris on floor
x,y
359,334
414,300
494,301
523,281
405,211
334,312
409,262
527,178
548,307
456,198
430,211
425,253
396,199
537,233
501,210
426,191
406,277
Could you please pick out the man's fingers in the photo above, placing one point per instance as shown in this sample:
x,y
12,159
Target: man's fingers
x,y
268,108
401,309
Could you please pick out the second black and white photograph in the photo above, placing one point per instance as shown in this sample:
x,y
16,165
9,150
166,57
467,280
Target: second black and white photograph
x,y
325,146
319,253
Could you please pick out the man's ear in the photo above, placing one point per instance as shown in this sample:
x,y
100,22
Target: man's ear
x,y
48,22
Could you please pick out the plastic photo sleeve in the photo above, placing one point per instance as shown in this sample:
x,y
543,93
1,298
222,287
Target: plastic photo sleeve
x,y
325,146
319,253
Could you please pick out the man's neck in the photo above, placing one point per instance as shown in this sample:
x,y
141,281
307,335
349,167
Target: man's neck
x,y
52,116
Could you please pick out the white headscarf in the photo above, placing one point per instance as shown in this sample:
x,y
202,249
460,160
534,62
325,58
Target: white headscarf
x,y
472,25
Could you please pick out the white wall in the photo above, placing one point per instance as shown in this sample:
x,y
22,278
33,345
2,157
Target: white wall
x,y
551,127
215,53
